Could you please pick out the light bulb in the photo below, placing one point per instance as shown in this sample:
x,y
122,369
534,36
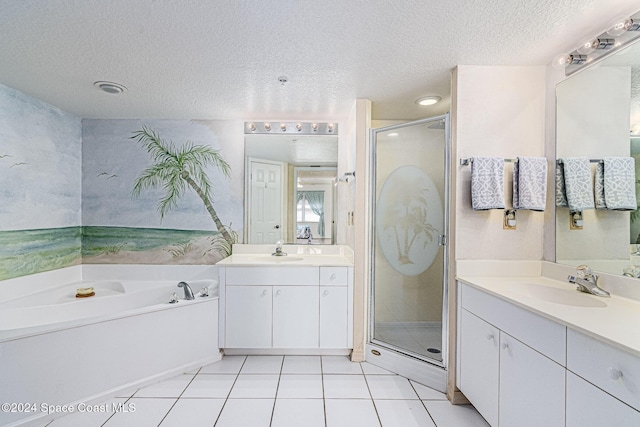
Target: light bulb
x,y
314,127
561,60
588,46
283,127
298,127
267,126
619,25
330,127
252,127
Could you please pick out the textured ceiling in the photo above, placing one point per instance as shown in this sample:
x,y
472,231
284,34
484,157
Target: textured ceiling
x,y
221,59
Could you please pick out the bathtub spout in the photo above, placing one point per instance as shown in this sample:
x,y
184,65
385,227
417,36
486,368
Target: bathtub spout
x,y
188,293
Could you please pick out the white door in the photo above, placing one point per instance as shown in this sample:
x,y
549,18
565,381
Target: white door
x,y
295,317
333,317
248,317
532,387
480,364
265,205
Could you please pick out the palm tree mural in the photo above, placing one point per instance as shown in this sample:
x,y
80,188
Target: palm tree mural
x,y
406,215
176,168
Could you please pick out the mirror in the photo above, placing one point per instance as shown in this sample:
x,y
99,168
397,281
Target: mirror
x,y
596,109
290,188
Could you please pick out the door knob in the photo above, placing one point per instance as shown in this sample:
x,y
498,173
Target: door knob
x,y
278,292
264,293
276,226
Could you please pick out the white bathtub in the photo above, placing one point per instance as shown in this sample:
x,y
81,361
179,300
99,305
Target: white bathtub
x,y
56,349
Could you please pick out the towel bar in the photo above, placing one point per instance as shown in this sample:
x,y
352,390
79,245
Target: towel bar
x,y
467,161
559,161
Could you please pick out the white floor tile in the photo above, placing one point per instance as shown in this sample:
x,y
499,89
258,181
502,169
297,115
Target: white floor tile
x,y
255,386
371,369
298,412
212,386
390,387
345,387
262,365
193,413
301,365
447,415
88,418
340,365
228,365
405,413
246,412
148,413
192,372
127,392
300,387
351,413
173,387
427,393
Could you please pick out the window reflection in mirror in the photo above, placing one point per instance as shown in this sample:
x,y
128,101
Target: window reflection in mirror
x,y
290,188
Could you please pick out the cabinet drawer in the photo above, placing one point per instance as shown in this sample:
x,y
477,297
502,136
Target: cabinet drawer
x,y
336,276
544,335
271,276
613,370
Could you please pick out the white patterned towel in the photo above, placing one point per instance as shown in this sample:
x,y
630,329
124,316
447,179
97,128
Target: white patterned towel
x,y
577,183
561,193
487,183
615,186
530,183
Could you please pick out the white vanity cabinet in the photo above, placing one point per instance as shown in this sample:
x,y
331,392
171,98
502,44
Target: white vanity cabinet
x,y
507,379
285,307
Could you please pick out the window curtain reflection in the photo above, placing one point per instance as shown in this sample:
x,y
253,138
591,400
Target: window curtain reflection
x,y
316,203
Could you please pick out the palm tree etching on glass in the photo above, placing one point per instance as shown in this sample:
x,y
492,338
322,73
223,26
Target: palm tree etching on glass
x,y
177,168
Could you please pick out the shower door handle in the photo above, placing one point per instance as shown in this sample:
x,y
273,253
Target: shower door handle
x,y
442,240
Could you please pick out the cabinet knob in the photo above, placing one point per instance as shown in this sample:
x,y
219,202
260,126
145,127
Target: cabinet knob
x,y
278,292
264,293
505,346
333,276
490,337
615,374
326,292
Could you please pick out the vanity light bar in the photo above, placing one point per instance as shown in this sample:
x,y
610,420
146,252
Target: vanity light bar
x,y
297,128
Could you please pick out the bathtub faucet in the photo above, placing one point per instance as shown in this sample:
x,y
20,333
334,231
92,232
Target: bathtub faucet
x,y
188,293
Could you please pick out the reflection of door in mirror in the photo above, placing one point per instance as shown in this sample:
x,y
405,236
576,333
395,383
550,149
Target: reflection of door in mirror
x,y
264,206
314,208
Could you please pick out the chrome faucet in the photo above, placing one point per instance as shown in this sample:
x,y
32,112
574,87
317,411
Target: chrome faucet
x,y
278,251
587,281
188,293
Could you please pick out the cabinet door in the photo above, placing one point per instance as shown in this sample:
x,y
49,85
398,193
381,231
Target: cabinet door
x,y
248,317
479,364
588,406
295,316
333,317
532,387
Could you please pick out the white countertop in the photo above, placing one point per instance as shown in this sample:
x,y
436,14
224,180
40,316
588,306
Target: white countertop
x,y
292,260
614,320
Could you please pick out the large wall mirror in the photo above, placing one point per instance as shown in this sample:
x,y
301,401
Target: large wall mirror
x,y
598,115
290,188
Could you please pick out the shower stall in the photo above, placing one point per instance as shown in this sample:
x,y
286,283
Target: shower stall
x,y
408,261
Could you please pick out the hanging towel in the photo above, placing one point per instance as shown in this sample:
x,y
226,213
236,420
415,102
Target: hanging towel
x,y
577,183
561,193
530,183
598,187
618,183
487,183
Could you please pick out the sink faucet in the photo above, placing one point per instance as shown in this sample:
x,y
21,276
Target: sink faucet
x,y
278,251
587,281
188,293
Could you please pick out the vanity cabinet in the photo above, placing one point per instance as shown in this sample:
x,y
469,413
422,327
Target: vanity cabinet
x,y
284,307
521,369
506,378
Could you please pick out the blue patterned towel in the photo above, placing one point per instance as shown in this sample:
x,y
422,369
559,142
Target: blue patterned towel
x,y
487,183
577,183
530,183
615,184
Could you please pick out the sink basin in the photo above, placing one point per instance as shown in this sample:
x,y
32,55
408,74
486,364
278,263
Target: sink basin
x,y
276,259
558,296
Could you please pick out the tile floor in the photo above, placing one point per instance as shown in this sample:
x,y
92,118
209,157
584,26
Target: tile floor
x,y
281,391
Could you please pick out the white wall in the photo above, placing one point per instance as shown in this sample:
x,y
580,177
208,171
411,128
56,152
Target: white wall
x,y
500,111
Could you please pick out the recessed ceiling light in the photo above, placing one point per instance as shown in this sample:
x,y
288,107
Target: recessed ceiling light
x,y
428,100
110,87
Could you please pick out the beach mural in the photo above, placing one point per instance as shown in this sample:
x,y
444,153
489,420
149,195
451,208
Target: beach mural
x,y
40,186
114,191
161,191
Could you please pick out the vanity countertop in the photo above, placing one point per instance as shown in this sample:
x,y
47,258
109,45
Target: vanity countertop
x,y
291,260
614,320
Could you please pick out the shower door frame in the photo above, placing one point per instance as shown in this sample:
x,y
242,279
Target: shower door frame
x,y
397,353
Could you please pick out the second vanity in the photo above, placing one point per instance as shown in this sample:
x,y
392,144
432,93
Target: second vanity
x,y
300,303
532,351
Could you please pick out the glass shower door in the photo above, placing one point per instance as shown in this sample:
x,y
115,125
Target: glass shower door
x,y
408,260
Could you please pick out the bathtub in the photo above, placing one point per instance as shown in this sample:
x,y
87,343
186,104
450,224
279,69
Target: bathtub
x,y
56,349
